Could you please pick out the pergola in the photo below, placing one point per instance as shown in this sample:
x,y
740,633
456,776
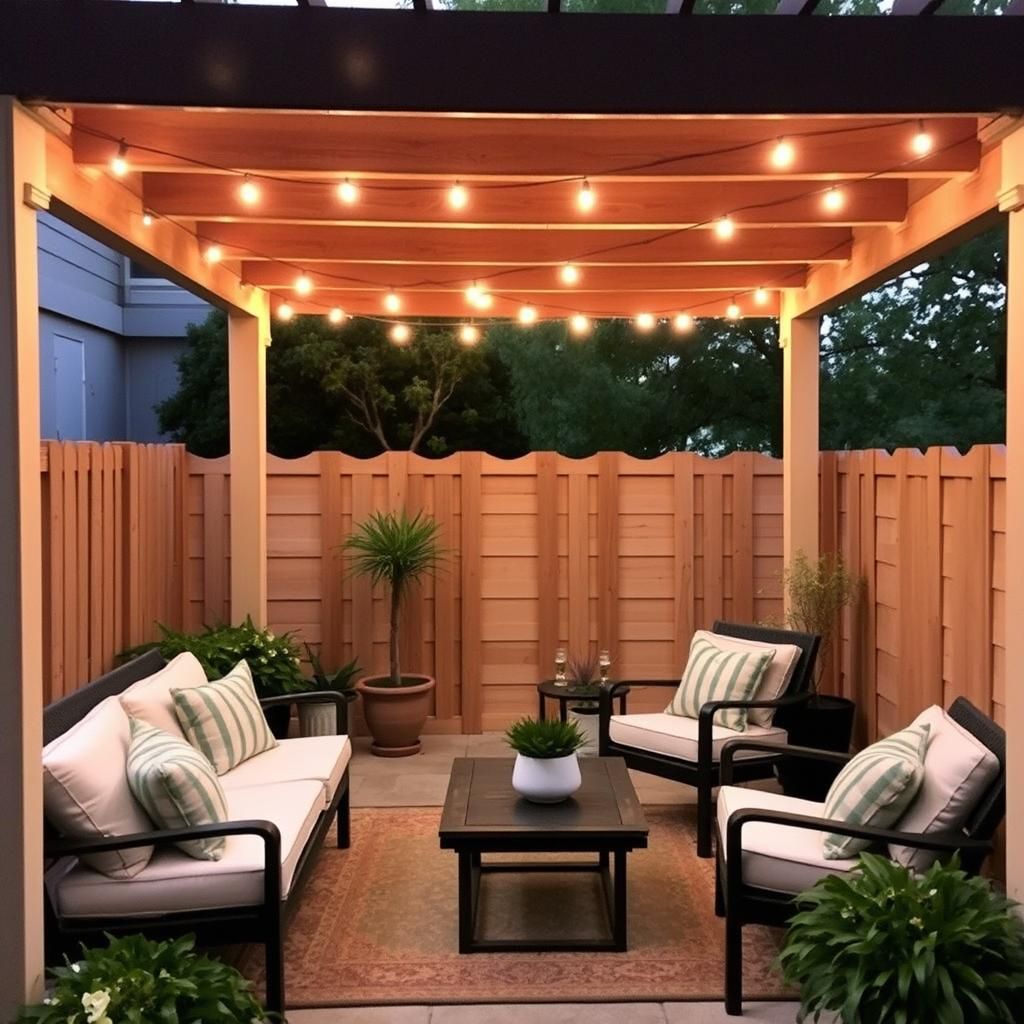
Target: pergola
x,y
306,158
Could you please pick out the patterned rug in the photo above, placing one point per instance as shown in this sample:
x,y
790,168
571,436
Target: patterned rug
x,y
377,924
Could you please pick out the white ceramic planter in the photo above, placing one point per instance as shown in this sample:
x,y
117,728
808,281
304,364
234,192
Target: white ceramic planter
x,y
546,780
318,719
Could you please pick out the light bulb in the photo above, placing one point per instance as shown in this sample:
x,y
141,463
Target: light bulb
x,y
484,301
147,220
761,296
683,322
285,312
303,284
473,293
833,199
119,162
570,274
400,334
347,192
922,141
527,315
724,227
392,303
458,197
586,197
783,154
732,311
249,192
579,324
336,315
213,254
469,334
645,321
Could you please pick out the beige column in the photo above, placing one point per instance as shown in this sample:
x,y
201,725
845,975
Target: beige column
x,y
248,338
799,338
22,182
1011,199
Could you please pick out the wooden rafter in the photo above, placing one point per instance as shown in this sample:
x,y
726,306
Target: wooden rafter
x,y
915,7
797,7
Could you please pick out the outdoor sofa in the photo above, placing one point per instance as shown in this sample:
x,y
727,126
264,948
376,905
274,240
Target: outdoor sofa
x,y
282,803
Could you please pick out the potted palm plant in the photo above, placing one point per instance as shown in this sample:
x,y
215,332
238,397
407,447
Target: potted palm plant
x,y
395,550
546,770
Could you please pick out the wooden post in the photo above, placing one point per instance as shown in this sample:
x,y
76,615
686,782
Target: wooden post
x,y
248,338
1011,200
799,339
22,180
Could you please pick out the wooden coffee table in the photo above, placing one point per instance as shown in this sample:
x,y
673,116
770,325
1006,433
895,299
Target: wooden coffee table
x,y
483,814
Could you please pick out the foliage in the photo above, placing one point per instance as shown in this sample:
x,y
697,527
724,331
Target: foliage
x,y
819,589
273,660
547,739
396,550
342,680
584,671
133,980
885,946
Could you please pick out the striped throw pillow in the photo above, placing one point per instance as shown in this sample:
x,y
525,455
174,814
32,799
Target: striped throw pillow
x,y
176,785
714,673
223,720
876,787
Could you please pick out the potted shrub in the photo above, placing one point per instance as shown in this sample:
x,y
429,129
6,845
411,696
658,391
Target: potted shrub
x,y
395,550
135,979
319,718
546,770
883,946
818,591
584,682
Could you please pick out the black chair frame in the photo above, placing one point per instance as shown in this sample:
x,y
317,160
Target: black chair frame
x,y
704,773
741,903
264,922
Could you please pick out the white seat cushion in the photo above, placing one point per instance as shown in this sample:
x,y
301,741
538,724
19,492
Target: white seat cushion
x,y
677,736
779,857
150,699
320,759
173,881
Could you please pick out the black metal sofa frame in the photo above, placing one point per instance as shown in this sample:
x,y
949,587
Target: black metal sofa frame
x,y
265,922
704,772
740,903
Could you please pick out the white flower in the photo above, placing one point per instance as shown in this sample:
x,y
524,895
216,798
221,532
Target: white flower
x,y
933,892
76,968
916,922
95,1005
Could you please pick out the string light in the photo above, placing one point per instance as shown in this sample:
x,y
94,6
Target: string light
x,y
645,321
783,154
579,324
400,334
303,284
469,335
586,197
147,219
249,191
119,162
725,227
485,301
527,315
570,274
285,312
392,303
213,254
732,311
682,323
473,293
761,296
347,192
922,141
336,315
458,197
834,199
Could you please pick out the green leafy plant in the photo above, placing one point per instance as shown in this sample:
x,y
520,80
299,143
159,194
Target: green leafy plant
x,y
546,739
397,550
273,660
342,680
584,672
819,589
133,980
885,946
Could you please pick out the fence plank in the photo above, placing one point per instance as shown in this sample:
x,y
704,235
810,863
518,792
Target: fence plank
x,y
714,549
742,550
362,592
608,553
578,511
683,548
446,669
472,681
548,638
331,569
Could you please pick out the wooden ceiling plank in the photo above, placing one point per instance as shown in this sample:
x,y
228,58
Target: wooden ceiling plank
x,y
798,7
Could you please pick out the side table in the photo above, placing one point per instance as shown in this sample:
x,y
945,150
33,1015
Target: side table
x,y
564,694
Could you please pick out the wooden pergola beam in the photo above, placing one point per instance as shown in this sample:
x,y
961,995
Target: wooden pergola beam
x,y
798,7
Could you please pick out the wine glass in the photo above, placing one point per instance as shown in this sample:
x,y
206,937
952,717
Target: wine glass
x,y
604,663
561,660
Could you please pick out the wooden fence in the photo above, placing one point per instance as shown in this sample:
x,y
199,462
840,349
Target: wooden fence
x,y
608,551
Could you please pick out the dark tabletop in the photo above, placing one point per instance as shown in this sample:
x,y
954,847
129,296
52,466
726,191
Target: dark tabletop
x,y
482,803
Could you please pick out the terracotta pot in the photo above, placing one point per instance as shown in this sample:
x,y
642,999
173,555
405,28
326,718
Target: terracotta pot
x,y
395,715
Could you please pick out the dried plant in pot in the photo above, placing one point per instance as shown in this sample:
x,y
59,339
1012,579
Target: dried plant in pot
x,y
546,770
395,550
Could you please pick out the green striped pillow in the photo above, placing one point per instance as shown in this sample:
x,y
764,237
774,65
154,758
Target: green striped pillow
x,y
713,673
876,787
223,720
176,785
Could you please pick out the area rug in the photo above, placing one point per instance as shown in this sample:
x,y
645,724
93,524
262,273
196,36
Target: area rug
x,y
377,924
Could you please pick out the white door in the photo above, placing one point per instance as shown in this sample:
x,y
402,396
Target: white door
x,y
69,387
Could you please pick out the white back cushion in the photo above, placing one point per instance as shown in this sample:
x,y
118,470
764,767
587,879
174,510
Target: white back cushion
x,y
958,769
85,790
150,699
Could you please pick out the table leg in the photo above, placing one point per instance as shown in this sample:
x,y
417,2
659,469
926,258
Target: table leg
x,y
563,710
620,916
467,899
540,706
